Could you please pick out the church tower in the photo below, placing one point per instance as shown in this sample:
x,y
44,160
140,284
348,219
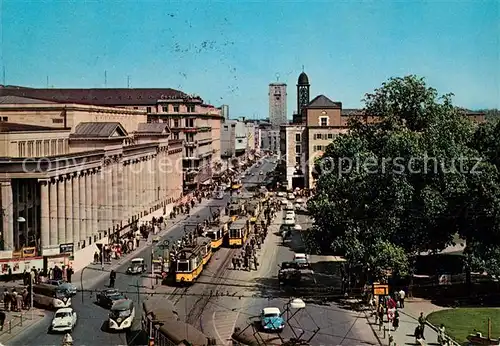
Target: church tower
x,y
302,92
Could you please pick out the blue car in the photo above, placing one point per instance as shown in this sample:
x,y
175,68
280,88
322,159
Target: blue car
x,y
271,320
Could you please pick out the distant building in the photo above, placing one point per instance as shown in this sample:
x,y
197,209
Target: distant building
x,y
224,111
277,104
316,124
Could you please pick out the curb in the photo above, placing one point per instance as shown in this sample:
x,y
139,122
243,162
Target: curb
x,y
372,328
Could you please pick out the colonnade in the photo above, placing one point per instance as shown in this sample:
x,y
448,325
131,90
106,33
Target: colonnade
x,y
84,206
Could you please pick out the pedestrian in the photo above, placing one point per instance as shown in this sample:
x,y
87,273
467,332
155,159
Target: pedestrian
x,y
112,278
395,321
402,295
2,319
6,299
380,313
422,321
69,273
234,263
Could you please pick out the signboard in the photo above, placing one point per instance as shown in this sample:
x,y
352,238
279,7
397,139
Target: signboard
x,y
380,289
66,248
29,252
18,266
51,251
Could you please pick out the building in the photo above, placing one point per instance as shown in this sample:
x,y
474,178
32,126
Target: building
x,y
75,176
228,139
251,132
188,117
224,111
234,142
318,122
277,104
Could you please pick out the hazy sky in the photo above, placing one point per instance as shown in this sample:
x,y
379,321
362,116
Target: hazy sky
x,y
229,51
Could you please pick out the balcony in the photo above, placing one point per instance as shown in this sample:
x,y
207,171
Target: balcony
x,y
190,144
204,129
191,158
205,154
205,141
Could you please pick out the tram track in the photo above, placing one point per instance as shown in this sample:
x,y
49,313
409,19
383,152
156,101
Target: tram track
x,y
199,306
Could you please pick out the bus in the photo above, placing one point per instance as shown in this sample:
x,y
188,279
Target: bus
x,y
121,315
51,296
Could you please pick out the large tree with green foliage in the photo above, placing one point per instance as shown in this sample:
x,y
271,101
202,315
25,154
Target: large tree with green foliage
x,y
407,183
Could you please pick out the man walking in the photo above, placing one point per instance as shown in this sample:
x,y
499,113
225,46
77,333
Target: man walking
x,y
402,295
422,321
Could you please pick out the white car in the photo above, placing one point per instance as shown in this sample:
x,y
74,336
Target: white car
x,y
64,320
291,196
289,206
261,173
280,194
284,202
290,212
289,220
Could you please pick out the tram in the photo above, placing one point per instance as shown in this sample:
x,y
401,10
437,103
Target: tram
x,y
189,264
206,248
218,231
238,233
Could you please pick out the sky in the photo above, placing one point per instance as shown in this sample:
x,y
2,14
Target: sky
x,y
228,52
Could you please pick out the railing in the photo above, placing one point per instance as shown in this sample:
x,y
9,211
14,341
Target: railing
x,y
17,319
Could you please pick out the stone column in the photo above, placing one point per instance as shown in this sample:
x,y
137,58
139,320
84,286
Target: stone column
x,y
88,206
53,213
120,205
76,207
128,202
114,196
108,185
95,202
69,208
45,213
8,216
101,186
61,211
83,210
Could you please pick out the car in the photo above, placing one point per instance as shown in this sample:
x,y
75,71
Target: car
x,y
261,173
290,212
64,320
289,206
280,194
137,266
291,196
301,260
219,195
289,220
107,297
271,320
70,288
253,174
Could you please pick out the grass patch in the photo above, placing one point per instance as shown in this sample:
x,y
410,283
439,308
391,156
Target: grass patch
x,y
461,322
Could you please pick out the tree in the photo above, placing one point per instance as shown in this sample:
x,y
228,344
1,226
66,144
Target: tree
x,y
406,183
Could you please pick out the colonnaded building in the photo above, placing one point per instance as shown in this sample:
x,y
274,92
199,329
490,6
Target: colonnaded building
x,y
74,175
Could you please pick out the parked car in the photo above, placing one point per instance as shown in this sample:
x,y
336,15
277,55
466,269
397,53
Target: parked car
x,y
64,320
271,320
107,297
289,220
70,288
301,260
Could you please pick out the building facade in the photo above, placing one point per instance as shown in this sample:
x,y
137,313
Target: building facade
x,y
277,104
188,117
316,125
82,183
228,139
224,111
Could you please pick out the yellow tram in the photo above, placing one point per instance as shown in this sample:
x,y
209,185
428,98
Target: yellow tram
x,y
253,210
206,248
238,233
189,264
219,231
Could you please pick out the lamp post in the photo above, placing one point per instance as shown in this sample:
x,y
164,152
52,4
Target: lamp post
x,y
21,220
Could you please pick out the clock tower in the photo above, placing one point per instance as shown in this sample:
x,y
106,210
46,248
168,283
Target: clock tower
x,y
302,92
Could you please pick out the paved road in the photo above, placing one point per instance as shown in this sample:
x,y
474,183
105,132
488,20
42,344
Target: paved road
x,y
337,326
91,318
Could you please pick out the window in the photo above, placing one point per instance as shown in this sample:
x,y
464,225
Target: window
x,y
297,149
21,147
190,109
53,147
136,107
330,136
297,137
297,160
46,147
176,123
323,121
38,151
30,148
164,109
57,121
5,119
148,109
176,108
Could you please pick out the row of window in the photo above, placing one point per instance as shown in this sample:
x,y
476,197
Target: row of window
x,y
39,148
323,136
176,108
319,147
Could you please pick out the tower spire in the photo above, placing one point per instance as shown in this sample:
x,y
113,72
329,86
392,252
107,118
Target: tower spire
x,y
302,68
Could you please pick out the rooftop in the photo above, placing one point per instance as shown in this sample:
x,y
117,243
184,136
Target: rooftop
x,y
12,99
99,130
15,127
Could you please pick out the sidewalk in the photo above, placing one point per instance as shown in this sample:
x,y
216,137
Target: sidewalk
x,y
408,321
16,322
96,269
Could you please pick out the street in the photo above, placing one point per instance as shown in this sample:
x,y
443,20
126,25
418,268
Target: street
x,y
90,329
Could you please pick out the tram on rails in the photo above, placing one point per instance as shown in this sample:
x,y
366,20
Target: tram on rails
x,y
218,231
188,264
206,248
238,232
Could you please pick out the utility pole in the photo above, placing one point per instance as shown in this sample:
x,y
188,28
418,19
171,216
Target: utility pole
x,y
105,78
128,82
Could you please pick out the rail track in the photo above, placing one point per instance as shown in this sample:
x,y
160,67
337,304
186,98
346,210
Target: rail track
x,y
199,306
